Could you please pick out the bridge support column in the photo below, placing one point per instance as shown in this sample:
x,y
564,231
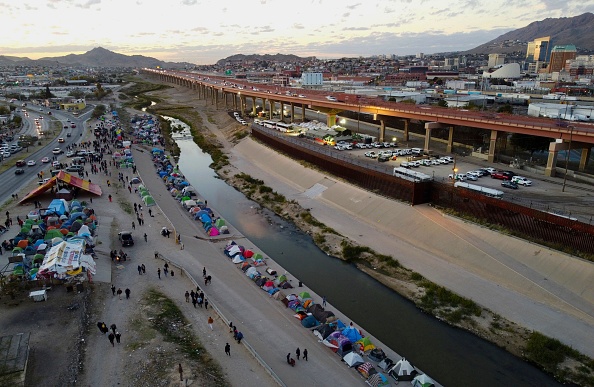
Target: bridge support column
x,y
282,110
292,112
586,151
302,113
405,134
254,112
450,146
382,130
242,104
331,119
492,146
428,127
554,148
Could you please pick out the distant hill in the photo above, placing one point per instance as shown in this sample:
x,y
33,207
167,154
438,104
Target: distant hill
x,y
261,58
97,57
577,30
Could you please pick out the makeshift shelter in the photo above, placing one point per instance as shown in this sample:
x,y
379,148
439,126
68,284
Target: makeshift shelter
x,y
422,381
353,359
403,370
352,333
238,259
366,369
323,331
338,343
377,380
386,364
376,355
57,206
365,344
309,322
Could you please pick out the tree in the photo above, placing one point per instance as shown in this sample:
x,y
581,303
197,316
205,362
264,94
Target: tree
x,y
78,94
507,108
48,93
442,103
98,111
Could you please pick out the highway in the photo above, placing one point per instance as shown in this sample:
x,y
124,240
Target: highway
x,y
12,183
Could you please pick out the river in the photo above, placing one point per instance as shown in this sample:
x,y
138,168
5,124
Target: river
x,y
451,356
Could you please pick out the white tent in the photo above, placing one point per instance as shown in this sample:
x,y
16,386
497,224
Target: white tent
x,y
238,258
403,370
353,359
423,381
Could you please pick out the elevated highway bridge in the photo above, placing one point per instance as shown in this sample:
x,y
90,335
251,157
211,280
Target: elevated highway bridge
x,y
233,92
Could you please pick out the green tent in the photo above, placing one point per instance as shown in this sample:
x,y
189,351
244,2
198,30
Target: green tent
x,y
282,278
220,223
304,295
423,381
25,229
257,256
55,233
148,200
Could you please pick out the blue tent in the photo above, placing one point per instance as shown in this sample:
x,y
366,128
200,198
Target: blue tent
x,y
57,206
309,322
352,334
162,173
157,150
76,215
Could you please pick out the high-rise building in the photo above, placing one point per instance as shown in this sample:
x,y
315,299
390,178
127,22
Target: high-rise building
x,y
496,60
559,55
539,49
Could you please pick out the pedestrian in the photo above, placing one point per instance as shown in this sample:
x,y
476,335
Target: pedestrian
x,y
118,335
133,226
199,300
297,353
210,321
109,197
230,326
150,212
205,303
239,337
166,266
181,372
113,328
111,337
165,270
119,292
228,349
113,289
289,358
187,296
159,272
143,268
235,332
139,270
104,328
204,272
100,326
127,293
194,302
171,272
305,354
145,237
181,246
324,301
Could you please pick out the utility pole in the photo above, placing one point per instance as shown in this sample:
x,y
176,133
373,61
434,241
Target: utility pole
x,y
567,157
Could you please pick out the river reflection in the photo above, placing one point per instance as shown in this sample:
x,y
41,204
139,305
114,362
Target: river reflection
x,y
451,356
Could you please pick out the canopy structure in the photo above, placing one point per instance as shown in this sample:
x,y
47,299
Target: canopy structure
x,y
67,179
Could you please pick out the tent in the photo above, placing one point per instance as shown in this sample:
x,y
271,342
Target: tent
x,y
423,381
365,344
377,355
304,295
403,370
309,322
352,333
386,364
366,369
238,259
323,331
148,201
377,380
353,359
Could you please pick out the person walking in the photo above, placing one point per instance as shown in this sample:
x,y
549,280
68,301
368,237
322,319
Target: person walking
x,y
194,302
181,372
324,301
305,354
109,197
113,289
230,326
187,296
159,272
104,328
118,335
210,321
205,303
113,328
139,270
297,353
239,337
289,358
100,326
119,292
127,293
204,272
165,270
133,226
150,213
143,268
145,237
228,349
111,337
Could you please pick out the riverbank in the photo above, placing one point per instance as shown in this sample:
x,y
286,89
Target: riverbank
x,y
279,193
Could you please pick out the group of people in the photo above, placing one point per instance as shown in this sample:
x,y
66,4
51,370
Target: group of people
x,y
119,292
114,334
165,270
197,298
291,361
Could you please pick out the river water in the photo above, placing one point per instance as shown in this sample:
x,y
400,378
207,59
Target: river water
x,y
449,355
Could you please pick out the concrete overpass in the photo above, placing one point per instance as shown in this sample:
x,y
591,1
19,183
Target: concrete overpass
x,y
214,89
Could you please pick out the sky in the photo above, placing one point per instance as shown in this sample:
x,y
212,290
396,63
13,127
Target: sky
x,y
204,31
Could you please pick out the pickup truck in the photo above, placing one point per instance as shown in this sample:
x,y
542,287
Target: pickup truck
x,y
499,175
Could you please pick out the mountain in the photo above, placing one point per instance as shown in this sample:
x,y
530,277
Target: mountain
x,y
262,58
575,30
97,57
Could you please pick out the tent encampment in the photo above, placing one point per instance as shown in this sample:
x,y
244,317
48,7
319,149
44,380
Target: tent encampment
x,y
365,344
377,380
148,201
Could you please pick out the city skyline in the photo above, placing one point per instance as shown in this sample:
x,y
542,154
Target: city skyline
x,y
202,32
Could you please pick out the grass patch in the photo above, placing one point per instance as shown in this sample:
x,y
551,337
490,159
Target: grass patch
x,y
126,205
447,304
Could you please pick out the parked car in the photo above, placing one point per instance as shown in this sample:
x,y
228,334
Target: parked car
x,y
57,151
457,176
371,154
125,238
500,175
509,184
75,168
521,180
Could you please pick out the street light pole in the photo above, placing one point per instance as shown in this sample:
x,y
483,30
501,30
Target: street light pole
x,y
567,157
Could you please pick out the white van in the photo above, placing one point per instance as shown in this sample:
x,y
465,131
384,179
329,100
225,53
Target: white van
x,y
417,151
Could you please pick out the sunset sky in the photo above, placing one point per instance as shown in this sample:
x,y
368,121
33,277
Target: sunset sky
x,y
204,31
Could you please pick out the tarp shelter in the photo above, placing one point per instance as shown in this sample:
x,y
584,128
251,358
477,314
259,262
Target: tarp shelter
x,y
403,370
323,331
377,380
65,178
366,369
352,333
377,355
353,359
365,344
422,381
57,206
309,322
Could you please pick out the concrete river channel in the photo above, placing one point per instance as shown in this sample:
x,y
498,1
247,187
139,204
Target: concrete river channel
x,y
451,356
